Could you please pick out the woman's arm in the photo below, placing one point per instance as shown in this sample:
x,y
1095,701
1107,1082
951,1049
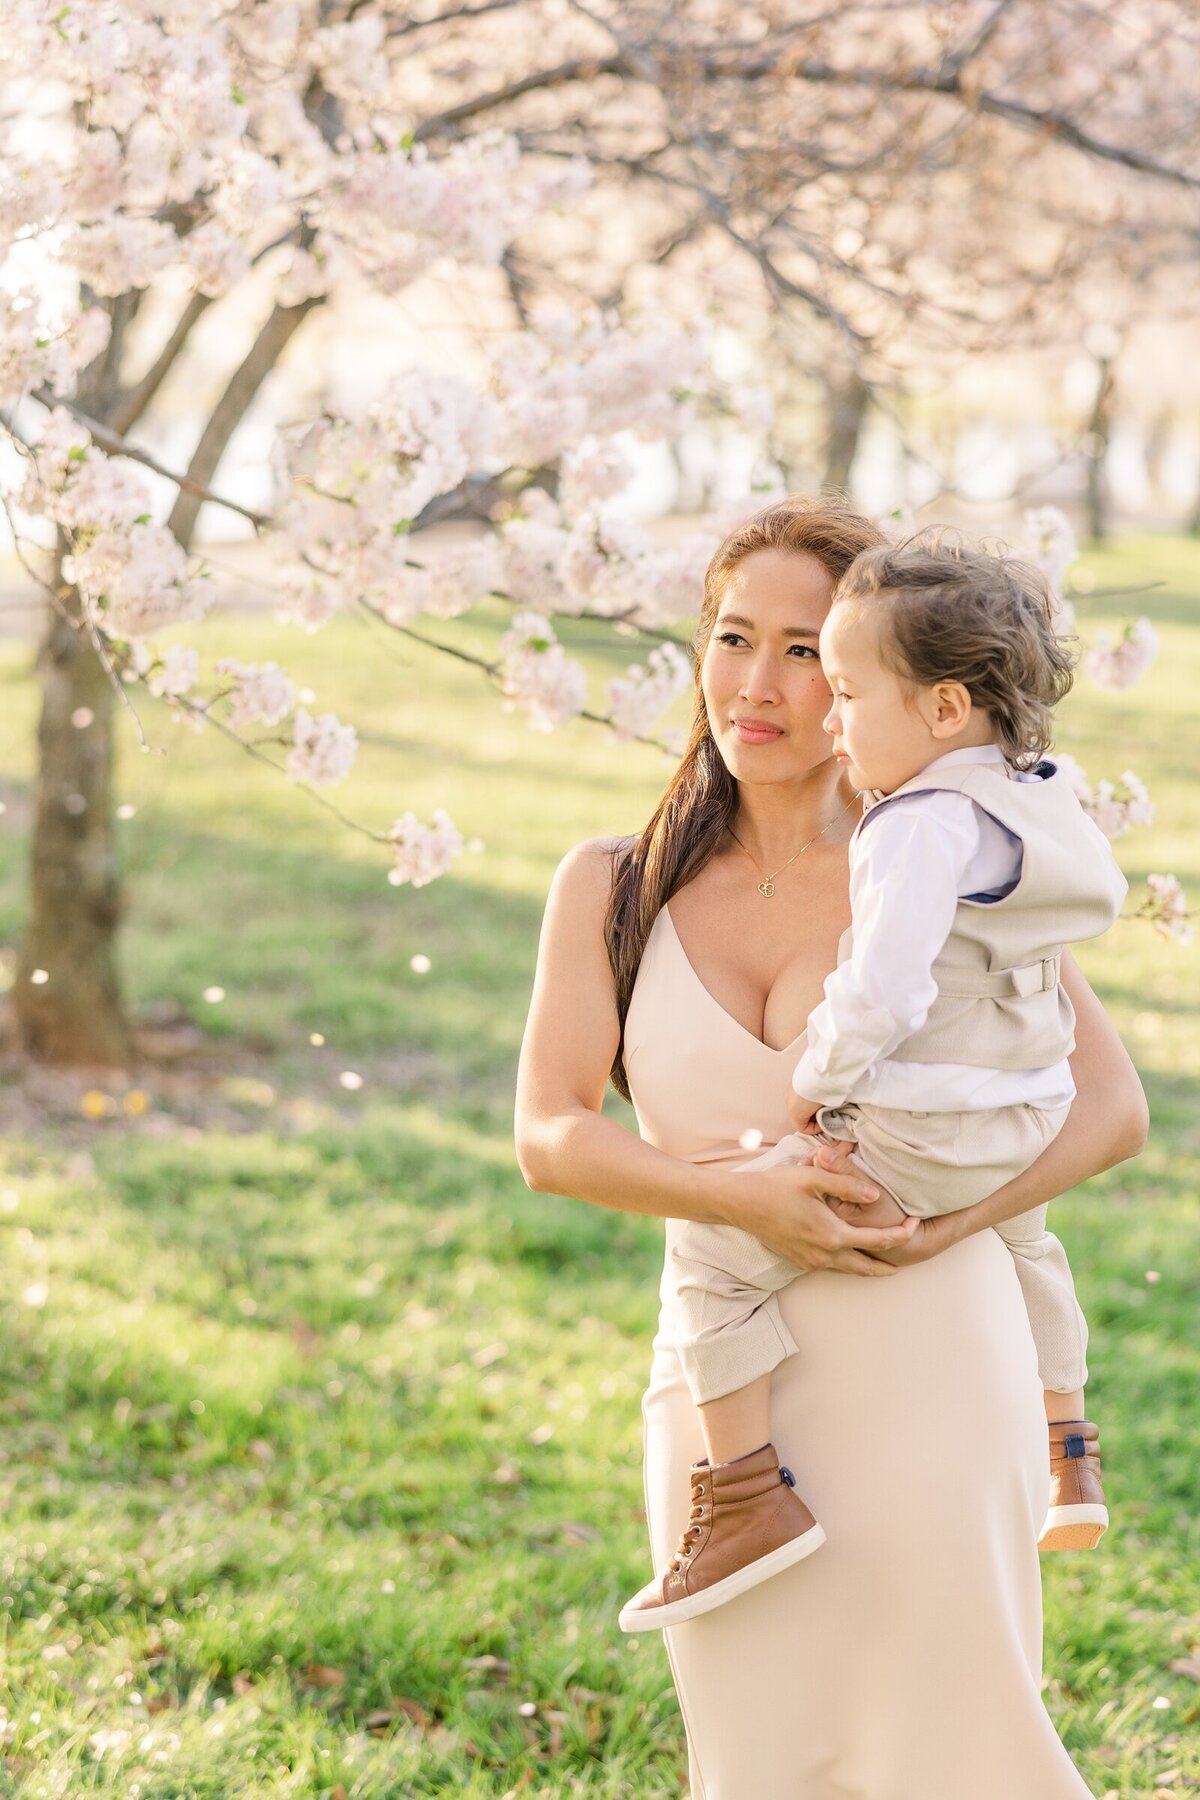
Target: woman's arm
x,y
566,1146
1107,1123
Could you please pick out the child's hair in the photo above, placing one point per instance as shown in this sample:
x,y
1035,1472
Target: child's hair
x,y
947,612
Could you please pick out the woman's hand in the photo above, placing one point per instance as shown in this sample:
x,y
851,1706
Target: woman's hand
x,y
931,1237
786,1209
928,1237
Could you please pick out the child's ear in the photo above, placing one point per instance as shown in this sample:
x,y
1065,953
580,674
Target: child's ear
x,y
949,709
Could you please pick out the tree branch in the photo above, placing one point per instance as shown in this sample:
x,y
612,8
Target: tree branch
x,y
580,68
780,64
971,47
946,81
492,670
100,380
196,709
113,444
446,18
230,410
129,403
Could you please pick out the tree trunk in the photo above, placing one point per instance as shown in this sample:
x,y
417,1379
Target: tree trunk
x,y
1099,432
847,409
68,995
73,1014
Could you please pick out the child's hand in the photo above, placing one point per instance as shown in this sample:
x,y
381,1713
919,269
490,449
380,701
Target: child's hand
x,y
803,1113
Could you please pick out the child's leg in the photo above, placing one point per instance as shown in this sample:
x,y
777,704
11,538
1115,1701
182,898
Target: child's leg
x,y
730,1331
737,1423
746,1523
1066,1408
1058,1325
1076,1517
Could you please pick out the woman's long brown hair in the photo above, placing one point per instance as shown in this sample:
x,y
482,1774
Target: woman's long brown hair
x,y
690,820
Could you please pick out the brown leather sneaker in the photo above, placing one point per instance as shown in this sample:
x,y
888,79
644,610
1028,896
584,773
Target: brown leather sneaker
x,y
746,1525
1077,1517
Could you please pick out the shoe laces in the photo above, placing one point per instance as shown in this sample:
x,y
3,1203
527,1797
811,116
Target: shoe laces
x,y
691,1532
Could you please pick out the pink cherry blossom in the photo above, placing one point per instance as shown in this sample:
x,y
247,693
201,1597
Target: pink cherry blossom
x,y
176,673
1166,907
1115,806
1051,542
592,472
638,699
538,676
423,852
259,694
323,750
1119,663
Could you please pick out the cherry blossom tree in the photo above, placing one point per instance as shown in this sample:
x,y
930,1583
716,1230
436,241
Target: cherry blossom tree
x,y
262,156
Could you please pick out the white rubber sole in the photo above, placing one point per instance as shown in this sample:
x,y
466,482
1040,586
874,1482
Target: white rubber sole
x,y
1073,1527
740,1582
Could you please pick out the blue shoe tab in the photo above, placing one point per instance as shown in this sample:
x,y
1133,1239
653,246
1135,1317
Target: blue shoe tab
x,y
1074,1445
786,1475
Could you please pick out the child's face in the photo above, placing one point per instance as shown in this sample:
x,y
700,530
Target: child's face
x,y
879,724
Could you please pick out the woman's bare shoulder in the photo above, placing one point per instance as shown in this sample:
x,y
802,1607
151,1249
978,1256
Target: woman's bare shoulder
x,y
582,885
590,864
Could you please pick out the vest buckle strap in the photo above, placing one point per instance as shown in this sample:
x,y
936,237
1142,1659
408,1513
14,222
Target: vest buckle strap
x,y
1035,978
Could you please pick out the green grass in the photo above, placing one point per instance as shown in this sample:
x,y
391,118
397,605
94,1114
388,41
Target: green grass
x,y
321,1433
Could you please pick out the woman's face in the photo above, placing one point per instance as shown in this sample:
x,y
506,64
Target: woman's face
x,y
761,675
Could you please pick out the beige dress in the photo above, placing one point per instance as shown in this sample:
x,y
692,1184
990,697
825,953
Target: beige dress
x,y
902,1661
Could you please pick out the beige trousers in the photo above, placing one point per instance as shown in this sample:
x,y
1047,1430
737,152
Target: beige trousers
x,y
731,1330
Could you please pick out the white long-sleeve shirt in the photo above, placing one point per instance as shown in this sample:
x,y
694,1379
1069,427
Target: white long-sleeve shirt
x,y
909,870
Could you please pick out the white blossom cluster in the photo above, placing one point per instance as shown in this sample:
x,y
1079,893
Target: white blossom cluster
x,y
1116,806
1051,545
1118,663
1113,663
1166,907
38,350
132,574
357,484
448,583
638,699
577,376
599,562
395,211
176,673
202,108
182,155
323,749
591,472
537,675
354,487
423,852
259,694
677,580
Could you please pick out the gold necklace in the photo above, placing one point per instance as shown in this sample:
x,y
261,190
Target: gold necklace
x,y
766,886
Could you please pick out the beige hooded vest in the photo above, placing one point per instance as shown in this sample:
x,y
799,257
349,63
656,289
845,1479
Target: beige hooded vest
x,y
1000,1004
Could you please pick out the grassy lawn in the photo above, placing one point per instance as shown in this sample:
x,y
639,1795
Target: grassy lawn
x,y
321,1470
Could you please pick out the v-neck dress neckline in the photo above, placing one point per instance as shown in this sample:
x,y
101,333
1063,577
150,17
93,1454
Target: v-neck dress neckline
x,y
771,1049
704,1088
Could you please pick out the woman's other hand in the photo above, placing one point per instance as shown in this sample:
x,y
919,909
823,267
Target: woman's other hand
x,y
930,1238
886,1210
787,1209
925,1237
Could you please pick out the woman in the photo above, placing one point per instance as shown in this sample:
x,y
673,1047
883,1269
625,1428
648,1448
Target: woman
x,y
903,1661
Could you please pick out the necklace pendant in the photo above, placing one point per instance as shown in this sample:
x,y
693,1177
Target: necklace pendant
x,y
766,889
